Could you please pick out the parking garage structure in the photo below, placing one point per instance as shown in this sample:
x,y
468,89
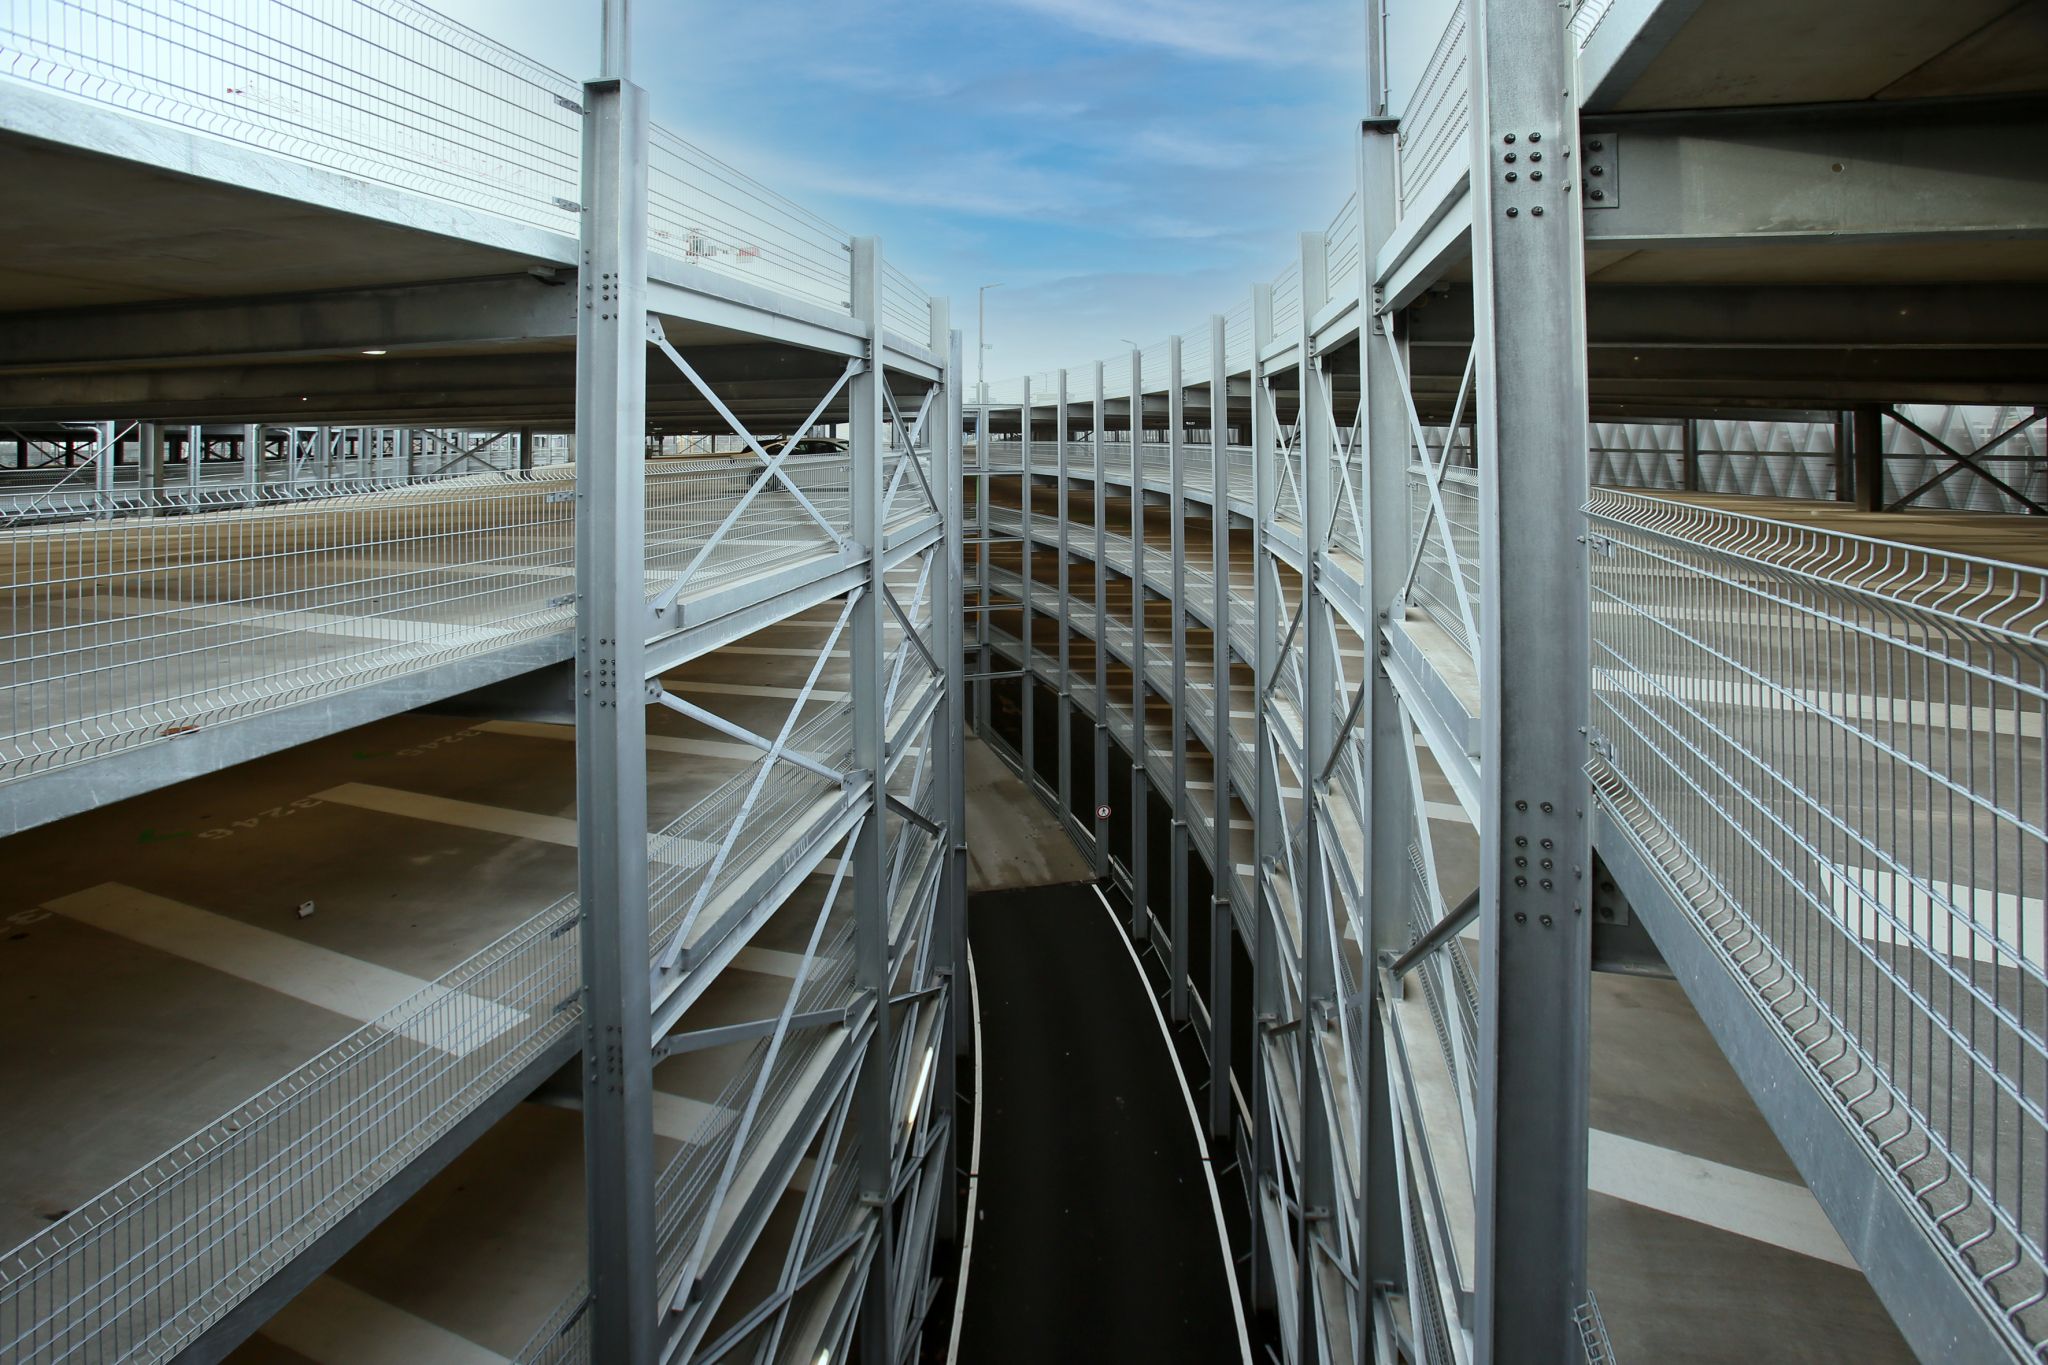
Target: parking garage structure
x,y
500,401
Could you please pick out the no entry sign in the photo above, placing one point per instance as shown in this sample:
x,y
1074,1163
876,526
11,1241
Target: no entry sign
x,y
1102,812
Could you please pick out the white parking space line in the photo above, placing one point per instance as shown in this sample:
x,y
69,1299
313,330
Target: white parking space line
x,y
1778,1213
771,962
443,810
668,744
333,1322
718,689
1858,709
1952,919
348,986
680,1118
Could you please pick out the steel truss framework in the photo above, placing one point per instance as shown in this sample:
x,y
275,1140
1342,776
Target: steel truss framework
x,y
1399,584
837,1129
880,1122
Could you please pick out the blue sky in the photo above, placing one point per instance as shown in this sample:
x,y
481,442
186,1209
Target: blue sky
x,y
1122,167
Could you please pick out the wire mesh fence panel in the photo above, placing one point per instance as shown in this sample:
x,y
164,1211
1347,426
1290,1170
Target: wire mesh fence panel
x,y
141,1271
1835,746
1441,568
140,630
381,90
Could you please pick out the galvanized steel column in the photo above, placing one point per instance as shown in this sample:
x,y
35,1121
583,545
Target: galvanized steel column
x,y
611,723
874,1098
252,461
1222,864
1141,782
1064,760
1318,731
1102,802
1390,816
981,614
1025,683
1268,820
948,739
1530,390
1177,513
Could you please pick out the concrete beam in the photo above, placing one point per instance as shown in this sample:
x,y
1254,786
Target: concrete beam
x,y
515,308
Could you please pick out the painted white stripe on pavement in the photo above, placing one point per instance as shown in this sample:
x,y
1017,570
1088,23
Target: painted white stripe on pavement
x,y
1855,708
348,986
1776,1212
718,689
1952,919
334,1322
771,962
668,744
680,1118
547,829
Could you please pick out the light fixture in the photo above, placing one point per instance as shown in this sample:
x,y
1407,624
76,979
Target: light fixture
x,y
377,352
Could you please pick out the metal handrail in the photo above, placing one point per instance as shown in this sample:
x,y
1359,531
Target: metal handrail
x,y
1834,743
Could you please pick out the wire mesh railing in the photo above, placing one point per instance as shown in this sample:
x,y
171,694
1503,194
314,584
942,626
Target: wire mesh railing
x,y
141,1271
1440,567
137,631
1834,746
1435,128
1343,243
392,93
381,90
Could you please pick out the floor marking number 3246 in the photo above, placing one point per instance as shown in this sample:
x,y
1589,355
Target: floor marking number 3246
x,y
252,822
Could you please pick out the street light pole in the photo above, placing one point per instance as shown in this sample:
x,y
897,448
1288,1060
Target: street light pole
x,y
981,339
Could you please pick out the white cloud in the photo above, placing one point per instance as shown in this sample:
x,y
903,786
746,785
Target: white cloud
x,y
1276,33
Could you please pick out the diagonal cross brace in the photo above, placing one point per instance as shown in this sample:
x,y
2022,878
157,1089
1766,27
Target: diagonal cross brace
x,y
673,954
1968,461
1434,477
737,1148
656,692
774,463
774,473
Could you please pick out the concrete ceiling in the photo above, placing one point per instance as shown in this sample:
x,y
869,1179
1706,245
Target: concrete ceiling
x,y
1760,52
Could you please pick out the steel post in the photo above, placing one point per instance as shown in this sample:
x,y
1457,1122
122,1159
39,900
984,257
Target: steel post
x,y
1101,570
1177,516
1027,684
1318,722
1390,817
1530,406
611,723
874,1095
1064,759
1141,782
1268,1002
1222,864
